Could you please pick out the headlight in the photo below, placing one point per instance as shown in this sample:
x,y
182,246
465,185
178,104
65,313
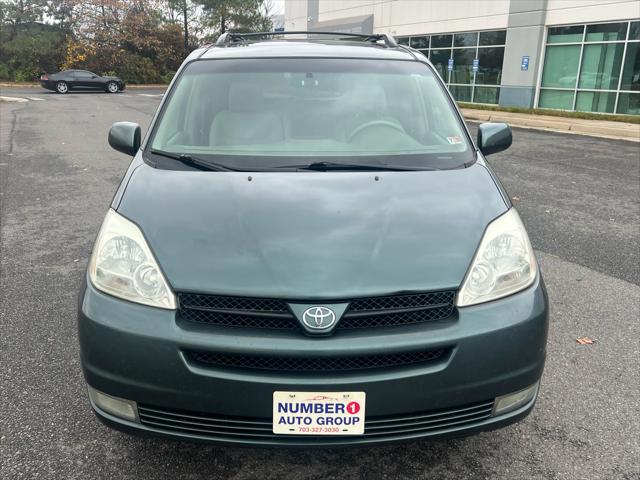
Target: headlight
x,y
504,262
122,265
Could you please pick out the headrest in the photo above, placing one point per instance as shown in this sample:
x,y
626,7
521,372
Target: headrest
x,y
369,99
245,97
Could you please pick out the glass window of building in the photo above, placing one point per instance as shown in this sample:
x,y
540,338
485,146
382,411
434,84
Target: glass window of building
x,y
631,70
593,68
561,66
419,42
462,72
483,49
606,32
490,66
462,93
486,94
465,39
601,66
565,34
497,37
560,99
438,41
440,60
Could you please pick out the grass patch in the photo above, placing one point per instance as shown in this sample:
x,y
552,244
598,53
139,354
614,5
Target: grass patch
x,y
554,113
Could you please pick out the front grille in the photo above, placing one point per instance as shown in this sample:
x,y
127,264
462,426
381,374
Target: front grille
x,y
269,313
193,300
412,300
317,364
219,427
236,311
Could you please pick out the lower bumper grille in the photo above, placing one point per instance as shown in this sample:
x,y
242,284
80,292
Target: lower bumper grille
x,y
318,364
260,429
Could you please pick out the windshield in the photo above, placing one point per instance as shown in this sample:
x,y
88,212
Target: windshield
x,y
279,112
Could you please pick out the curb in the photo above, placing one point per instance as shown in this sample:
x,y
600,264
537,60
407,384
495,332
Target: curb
x,y
612,130
18,85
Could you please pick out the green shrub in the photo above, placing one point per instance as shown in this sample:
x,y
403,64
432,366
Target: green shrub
x,y
25,75
167,77
137,69
29,50
5,74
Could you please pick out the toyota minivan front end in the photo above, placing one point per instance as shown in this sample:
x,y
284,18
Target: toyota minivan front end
x,y
309,249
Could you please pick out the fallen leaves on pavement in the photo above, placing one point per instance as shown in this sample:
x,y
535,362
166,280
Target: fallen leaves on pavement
x,y
585,341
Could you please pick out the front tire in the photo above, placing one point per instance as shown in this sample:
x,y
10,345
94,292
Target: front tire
x,y
112,87
62,87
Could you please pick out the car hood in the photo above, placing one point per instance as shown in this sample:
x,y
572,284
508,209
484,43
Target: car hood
x,y
312,235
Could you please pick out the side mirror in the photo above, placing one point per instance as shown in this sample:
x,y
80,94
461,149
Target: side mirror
x,y
494,137
125,137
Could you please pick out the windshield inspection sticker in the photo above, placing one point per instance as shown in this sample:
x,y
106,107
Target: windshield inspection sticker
x,y
318,413
454,140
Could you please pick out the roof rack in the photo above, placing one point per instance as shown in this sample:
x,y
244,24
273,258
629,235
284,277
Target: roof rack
x,y
228,39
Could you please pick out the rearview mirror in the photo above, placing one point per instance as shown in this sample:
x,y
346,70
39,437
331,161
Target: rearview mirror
x,y
125,137
494,137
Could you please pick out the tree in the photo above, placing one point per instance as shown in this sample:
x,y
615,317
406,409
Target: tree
x,y
34,49
20,12
235,15
27,47
185,12
139,40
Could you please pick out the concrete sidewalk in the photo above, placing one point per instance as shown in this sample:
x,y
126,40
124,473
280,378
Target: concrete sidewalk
x,y
596,128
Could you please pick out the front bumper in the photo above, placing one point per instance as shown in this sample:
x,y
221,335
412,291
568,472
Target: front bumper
x,y
136,352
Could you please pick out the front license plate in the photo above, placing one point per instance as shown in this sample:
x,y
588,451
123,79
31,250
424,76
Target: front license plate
x,y
318,413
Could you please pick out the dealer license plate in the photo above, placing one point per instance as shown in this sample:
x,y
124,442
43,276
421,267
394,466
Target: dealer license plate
x,y
318,413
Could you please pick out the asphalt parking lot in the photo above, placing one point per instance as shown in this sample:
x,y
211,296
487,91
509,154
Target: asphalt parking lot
x,y
579,197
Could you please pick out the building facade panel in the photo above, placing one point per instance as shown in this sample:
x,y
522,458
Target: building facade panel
x,y
586,11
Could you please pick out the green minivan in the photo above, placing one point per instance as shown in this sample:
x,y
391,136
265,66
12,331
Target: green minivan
x,y
309,248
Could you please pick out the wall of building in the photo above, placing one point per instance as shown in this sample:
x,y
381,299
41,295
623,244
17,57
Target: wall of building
x,y
407,17
440,16
295,15
561,12
404,17
525,35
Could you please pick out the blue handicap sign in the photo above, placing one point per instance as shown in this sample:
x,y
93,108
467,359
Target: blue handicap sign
x,y
524,65
278,29
476,65
450,64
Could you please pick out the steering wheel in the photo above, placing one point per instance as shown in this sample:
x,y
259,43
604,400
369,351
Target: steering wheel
x,y
374,123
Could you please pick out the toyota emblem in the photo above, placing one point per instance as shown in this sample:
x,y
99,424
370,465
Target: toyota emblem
x,y
319,318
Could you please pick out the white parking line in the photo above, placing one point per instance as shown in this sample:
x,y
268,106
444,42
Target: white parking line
x,y
36,99
13,99
151,94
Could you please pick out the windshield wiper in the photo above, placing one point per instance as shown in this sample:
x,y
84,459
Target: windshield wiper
x,y
194,161
326,166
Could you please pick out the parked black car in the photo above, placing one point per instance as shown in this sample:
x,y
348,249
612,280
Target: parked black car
x,y
62,82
